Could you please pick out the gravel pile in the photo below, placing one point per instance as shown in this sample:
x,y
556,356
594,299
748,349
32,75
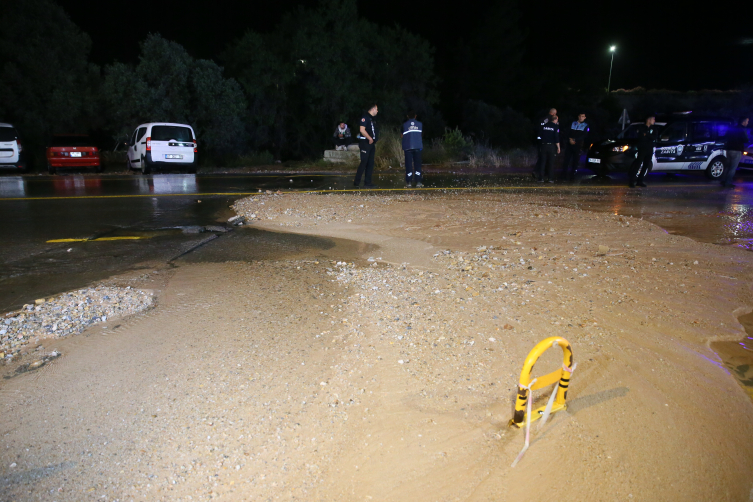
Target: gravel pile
x,y
67,314
295,210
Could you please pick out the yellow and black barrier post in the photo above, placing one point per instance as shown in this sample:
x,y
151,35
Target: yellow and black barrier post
x,y
561,375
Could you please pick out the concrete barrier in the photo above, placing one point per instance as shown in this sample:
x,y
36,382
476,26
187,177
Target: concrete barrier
x,y
343,156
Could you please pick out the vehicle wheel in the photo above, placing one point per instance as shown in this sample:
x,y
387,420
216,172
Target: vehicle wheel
x,y
99,169
716,168
50,169
129,167
145,168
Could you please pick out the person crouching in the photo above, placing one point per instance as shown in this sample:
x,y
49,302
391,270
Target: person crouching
x,y
342,136
412,146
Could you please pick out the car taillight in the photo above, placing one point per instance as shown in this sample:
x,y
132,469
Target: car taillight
x,y
20,148
195,146
148,143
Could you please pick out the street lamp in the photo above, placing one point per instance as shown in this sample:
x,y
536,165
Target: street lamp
x,y
609,84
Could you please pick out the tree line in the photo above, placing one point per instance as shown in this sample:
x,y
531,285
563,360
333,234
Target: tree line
x,y
284,91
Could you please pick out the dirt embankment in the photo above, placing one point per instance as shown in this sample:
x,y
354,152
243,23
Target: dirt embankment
x,y
389,375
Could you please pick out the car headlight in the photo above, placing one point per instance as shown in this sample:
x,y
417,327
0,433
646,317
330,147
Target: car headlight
x,y
621,148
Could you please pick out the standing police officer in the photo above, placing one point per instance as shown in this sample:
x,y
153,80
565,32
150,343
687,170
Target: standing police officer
x,y
548,118
736,143
412,145
644,160
573,147
549,133
367,138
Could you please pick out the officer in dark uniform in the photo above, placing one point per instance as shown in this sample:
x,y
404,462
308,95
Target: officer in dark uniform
x,y
549,146
367,138
412,146
643,161
548,118
573,146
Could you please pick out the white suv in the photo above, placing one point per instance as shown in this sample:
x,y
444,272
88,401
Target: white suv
x,y
11,151
162,144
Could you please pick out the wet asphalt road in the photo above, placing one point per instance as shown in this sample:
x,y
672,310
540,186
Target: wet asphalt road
x,y
166,210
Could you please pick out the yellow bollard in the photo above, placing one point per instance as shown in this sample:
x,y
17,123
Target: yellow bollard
x,y
561,375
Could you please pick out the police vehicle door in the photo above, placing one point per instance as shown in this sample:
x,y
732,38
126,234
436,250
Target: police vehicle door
x,y
670,147
700,145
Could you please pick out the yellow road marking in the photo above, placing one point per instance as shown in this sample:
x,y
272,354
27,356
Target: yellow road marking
x,y
121,238
346,190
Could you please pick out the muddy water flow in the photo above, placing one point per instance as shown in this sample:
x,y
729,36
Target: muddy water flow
x,y
738,356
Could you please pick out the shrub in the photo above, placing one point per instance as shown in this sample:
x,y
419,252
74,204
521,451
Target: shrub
x,y
389,150
456,144
485,157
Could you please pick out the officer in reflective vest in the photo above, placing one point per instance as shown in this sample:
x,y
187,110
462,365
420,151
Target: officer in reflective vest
x,y
412,145
576,137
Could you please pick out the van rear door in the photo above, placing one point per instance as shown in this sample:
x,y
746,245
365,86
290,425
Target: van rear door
x,y
172,144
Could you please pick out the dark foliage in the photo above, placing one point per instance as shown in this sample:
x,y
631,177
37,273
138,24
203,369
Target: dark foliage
x,y
168,85
284,91
46,81
322,66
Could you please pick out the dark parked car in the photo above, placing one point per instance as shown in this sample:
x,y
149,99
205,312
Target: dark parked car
x,y
72,150
684,143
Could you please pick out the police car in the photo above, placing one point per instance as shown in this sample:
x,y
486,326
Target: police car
x,y
683,143
746,162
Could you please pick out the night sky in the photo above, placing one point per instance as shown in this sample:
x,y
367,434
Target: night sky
x,y
672,45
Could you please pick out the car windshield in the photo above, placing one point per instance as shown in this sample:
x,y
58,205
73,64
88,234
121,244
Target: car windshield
x,y
632,130
73,140
630,133
7,134
166,133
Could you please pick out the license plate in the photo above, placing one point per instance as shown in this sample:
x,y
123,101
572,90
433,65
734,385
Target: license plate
x,y
75,154
595,161
173,156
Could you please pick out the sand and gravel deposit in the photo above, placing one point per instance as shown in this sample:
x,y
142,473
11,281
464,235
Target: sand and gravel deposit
x,y
66,314
388,373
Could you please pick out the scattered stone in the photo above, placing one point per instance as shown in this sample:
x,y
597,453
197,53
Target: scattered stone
x,y
69,313
237,220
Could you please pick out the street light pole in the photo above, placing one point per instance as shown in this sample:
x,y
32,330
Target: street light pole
x,y
609,84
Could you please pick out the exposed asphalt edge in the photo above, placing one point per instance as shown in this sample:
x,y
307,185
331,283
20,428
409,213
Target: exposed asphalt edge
x,y
194,247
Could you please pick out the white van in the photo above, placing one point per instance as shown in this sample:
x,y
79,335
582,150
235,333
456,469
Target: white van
x,y
162,144
11,151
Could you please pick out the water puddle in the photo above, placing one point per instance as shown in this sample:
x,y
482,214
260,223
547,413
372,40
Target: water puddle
x,y
253,244
738,356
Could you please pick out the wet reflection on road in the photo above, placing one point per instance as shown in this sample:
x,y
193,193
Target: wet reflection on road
x,y
686,205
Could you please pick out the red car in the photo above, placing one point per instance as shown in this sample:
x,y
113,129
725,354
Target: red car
x,y
72,150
